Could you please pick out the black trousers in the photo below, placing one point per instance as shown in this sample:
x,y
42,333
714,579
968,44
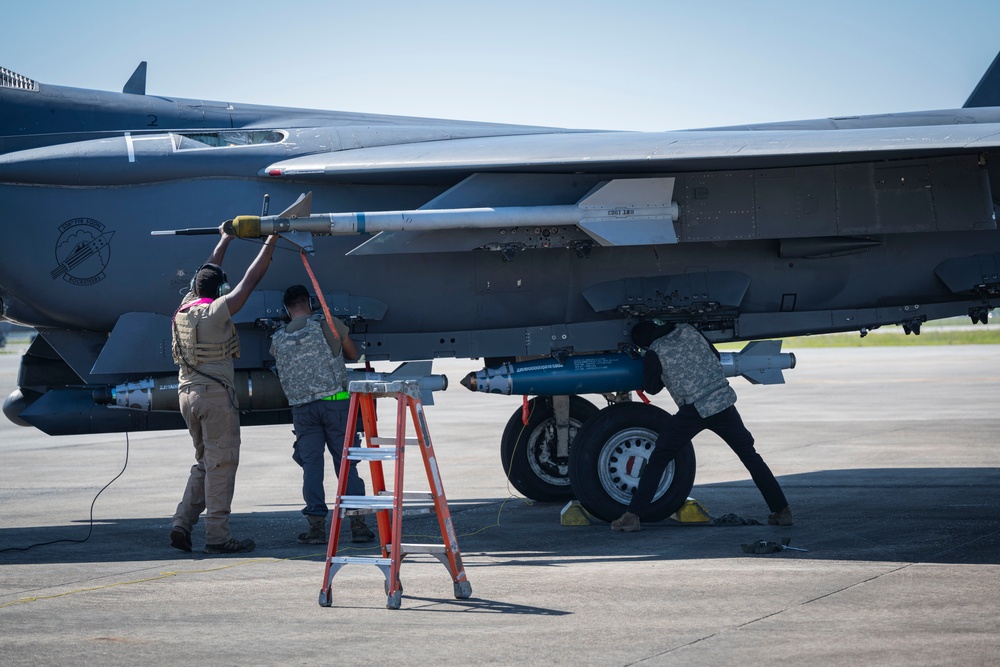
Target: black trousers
x,y
678,430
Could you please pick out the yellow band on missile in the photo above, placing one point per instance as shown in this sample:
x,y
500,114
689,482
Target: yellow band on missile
x,y
247,226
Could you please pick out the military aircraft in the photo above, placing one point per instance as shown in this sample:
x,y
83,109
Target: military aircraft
x,y
534,249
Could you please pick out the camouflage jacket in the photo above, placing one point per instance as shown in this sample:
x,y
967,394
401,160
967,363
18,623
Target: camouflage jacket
x,y
691,372
307,368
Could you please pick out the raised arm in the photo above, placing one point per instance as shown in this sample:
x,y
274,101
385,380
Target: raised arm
x,y
350,349
236,299
220,250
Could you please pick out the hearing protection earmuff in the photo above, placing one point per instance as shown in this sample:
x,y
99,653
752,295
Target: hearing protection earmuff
x,y
224,287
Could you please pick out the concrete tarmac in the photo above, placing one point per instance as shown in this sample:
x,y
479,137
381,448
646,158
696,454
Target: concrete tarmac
x,y
889,457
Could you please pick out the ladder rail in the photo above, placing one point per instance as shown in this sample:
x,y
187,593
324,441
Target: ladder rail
x,y
349,437
445,523
397,488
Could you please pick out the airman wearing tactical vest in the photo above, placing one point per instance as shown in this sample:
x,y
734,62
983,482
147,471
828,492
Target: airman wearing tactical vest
x,y
204,344
309,355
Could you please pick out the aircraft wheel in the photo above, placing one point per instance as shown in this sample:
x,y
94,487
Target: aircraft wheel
x,y
528,452
609,454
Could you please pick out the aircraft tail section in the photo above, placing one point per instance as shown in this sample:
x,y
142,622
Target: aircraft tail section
x,y
987,91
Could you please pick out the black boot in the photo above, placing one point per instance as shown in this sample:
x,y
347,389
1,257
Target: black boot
x,y
317,531
360,531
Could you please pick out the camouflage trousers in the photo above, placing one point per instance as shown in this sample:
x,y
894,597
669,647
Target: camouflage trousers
x,y
214,425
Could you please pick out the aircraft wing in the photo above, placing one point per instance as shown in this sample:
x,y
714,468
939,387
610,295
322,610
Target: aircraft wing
x,y
823,168
632,152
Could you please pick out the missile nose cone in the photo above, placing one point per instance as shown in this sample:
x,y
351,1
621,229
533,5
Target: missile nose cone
x,y
469,381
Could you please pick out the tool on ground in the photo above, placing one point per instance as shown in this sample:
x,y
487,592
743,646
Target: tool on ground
x,y
388,505
765,547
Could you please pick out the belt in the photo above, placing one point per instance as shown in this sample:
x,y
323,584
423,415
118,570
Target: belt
x,y
339,396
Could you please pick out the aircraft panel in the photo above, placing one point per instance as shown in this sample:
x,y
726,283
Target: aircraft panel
x,y
716,206
796,202
492,278
903,193
962,196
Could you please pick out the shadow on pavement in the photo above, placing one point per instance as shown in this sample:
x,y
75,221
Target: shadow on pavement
x,y
934,515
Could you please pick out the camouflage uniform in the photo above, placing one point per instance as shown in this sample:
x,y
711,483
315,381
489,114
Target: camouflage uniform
x,y
311,370
693,375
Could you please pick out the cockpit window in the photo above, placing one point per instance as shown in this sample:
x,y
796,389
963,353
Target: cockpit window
x,y
226,138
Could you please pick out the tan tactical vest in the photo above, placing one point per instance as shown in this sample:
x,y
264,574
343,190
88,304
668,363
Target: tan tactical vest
x,y
186,348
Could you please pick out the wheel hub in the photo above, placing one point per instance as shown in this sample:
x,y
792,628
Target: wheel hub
x,y
622,461
542,453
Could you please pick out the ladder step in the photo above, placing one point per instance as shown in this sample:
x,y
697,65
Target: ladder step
x,y
360,560
379,389
366,502
422,548
371,453
413,497
409,495
391,442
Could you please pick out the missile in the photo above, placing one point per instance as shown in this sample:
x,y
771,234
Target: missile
x,y
255,390
582,374
760,362
624,211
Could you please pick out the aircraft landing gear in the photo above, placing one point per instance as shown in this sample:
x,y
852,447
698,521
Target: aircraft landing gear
x,y
610,452
530,453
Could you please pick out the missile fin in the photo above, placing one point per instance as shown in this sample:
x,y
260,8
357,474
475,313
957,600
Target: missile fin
x,y
763,376
300,209
614,212
761,348
411,370
756,359
630,193
416,370
645,231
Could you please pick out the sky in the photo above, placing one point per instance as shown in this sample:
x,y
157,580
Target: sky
x,y
619,65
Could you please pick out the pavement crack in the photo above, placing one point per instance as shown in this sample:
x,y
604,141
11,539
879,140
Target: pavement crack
x,y
777,612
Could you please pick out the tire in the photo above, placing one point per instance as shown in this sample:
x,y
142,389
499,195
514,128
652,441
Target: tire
x,y
606,453
528,452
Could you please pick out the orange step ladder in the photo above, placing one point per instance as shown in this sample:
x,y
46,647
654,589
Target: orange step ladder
x,y
388,505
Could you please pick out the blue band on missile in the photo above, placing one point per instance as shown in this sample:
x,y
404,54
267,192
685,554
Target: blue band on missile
x,y
360,217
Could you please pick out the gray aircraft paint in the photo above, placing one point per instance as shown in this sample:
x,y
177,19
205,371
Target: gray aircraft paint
x,y
797,228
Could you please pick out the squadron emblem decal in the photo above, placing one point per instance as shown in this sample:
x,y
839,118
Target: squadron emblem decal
x,y
82,251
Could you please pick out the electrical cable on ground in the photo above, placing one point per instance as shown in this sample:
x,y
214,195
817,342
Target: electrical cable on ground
x,y
91,528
